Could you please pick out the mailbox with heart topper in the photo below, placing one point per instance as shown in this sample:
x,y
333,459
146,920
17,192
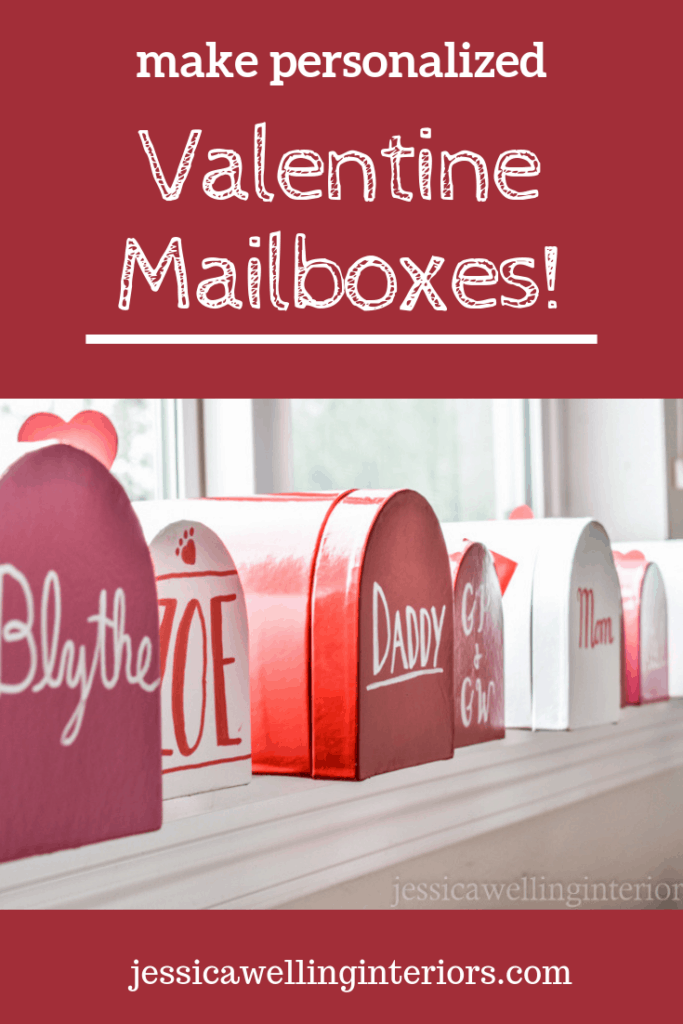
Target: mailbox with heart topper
x,y
478,641
349,601
668,555
206,736
80,737
562,621
643,596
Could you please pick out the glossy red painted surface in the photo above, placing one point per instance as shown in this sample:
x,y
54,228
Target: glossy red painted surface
x,y
381,684
478,686
274,540
638,685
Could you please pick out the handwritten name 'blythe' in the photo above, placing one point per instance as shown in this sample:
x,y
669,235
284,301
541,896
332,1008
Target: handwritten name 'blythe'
x,y
68,663
334,64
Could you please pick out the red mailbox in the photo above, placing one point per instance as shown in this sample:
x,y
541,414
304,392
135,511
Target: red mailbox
x,y
382,637
274,540
478,638
80,738
349,603
643,597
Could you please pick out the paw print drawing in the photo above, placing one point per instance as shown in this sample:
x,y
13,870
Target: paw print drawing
x,y
186,547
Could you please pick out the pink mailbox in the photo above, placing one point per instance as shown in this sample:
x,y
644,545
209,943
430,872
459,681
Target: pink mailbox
x,y
643,599
478,642
80,737
668,554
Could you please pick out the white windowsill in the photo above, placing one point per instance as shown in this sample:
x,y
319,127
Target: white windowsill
x,y
281,838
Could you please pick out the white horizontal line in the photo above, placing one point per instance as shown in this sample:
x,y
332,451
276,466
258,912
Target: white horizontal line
x,y
402,679
341,339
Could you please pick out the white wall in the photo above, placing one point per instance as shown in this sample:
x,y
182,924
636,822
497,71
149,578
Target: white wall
x,y
615,465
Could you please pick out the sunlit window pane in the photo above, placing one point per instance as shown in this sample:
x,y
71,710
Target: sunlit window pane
x,y
440,447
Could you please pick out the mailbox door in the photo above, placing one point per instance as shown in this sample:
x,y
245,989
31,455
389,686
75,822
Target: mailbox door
x,y
654,669
594,633
204,662
668,555
80,737
631,568
479,699
382,638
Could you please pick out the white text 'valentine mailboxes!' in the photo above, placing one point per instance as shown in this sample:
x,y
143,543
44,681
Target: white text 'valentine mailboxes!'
x,y
668,555
204,651
562,622
478,673
350,624
274,541
80,737
382,637
643,597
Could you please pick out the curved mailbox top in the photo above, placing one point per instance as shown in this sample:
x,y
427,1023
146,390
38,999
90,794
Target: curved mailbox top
x,y
382,627
204,661
645,627
79,696
478,637
273,539
563,621
668,555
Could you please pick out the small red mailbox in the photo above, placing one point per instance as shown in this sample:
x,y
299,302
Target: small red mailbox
x,y
478,638
643,599
382,637
80,737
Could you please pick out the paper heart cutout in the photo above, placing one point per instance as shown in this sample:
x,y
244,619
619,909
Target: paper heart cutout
x,y
89,430
504,566
632,558
505,569
521,512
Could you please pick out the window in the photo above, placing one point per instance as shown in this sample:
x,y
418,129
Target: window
x,y
442,448
135,420
471,458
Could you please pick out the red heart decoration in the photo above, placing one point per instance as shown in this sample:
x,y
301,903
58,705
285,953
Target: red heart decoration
x,y
505,569
629,557
91,431
504,566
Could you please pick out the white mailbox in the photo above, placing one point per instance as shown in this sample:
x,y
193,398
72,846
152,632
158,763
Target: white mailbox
x,y
204,655
562,613
668,555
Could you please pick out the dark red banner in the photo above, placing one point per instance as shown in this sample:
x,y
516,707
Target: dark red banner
x,y
185,965
372,170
